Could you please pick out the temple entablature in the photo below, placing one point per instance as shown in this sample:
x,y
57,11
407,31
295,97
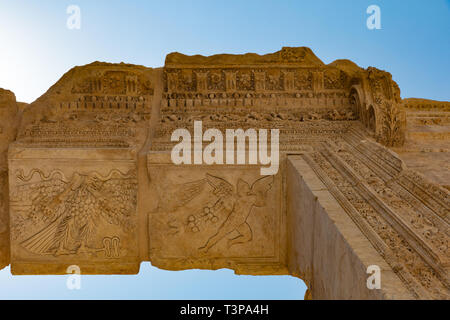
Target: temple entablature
x,y
88,178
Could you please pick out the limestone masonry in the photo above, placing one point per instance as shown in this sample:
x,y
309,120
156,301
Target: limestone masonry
x,y
87,179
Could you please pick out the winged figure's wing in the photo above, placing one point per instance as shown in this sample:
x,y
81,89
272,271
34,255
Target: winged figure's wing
x,y
260,188
42,201
222,188
39,199
47,239
179,195
243,188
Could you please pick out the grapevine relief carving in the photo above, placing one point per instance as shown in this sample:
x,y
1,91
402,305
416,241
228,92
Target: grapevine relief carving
x,y
59,216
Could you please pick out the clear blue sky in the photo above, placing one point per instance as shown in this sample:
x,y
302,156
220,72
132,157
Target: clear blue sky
x,y
37,49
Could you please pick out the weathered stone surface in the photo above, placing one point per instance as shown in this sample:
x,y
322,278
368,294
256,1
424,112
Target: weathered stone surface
x,y
212,217
427,146
100,105
287,56
73,209
9,120
326,249
91,181
74,172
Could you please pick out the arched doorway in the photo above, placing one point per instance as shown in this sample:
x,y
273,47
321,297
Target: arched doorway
x,y
355,103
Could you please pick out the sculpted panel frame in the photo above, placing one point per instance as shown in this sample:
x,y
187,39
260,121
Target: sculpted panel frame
x,y
67,207
216,216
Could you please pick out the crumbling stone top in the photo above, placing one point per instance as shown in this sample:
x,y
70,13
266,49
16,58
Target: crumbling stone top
x,y
298,56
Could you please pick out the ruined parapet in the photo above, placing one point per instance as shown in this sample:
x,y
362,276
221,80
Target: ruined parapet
x,y
97,105
292,77
291,84
291,89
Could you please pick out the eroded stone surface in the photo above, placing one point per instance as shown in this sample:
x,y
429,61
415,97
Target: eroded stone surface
x,y
214,217
91,182
427,146
400,213
100,105
65,212
320,231
9,120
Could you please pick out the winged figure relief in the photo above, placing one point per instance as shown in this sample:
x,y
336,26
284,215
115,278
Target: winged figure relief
x,y
71,211
237,204
225,209
172,197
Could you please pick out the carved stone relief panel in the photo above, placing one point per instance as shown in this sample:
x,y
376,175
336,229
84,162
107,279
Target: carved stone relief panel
x,y
215,217
73,210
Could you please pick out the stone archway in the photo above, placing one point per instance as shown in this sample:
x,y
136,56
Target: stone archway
x,y
338,203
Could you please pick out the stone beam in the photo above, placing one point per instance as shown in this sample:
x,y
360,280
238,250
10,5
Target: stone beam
x,y
326,248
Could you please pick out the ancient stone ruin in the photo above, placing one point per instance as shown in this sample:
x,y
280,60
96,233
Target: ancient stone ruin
x,y
87,178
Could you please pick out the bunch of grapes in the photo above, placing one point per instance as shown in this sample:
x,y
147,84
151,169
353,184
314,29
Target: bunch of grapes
x,y
193,224
208,215
205,216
